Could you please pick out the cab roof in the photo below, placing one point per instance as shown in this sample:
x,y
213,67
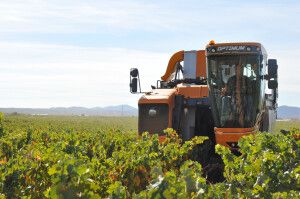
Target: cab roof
x,y
213,44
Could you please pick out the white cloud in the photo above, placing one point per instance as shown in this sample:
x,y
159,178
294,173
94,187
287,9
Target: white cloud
x,y
52,75
184,16
79,16
45,74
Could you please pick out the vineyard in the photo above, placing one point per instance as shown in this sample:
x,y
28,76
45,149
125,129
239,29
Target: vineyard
x,y
102,157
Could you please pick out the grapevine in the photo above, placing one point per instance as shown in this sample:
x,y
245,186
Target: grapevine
x,y
70,157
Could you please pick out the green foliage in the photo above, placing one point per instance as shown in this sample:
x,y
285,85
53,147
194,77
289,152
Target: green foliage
x,y
269,164
100,157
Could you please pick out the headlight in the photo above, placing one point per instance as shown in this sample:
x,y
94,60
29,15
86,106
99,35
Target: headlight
x,y
152,112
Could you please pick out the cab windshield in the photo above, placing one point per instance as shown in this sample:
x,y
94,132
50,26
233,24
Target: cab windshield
x,y
234,83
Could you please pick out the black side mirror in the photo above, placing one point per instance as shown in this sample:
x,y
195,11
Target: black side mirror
x,y
272,74
134,80
272,68
134,72
273,84
133,85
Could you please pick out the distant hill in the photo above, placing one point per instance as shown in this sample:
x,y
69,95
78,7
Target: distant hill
x,y
284,112
288,112
120,110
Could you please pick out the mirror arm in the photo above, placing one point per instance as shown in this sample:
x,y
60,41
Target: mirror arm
x,y
139,83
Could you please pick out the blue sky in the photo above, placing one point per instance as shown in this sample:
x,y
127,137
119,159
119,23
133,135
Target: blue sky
x,y
78,53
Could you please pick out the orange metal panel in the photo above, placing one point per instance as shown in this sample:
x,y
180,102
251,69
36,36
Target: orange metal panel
x,y
160,96
154,101
192,91
224,135
201,64
234,130
177,57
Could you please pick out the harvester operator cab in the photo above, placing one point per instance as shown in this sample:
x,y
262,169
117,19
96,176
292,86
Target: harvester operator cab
x,y
237,73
